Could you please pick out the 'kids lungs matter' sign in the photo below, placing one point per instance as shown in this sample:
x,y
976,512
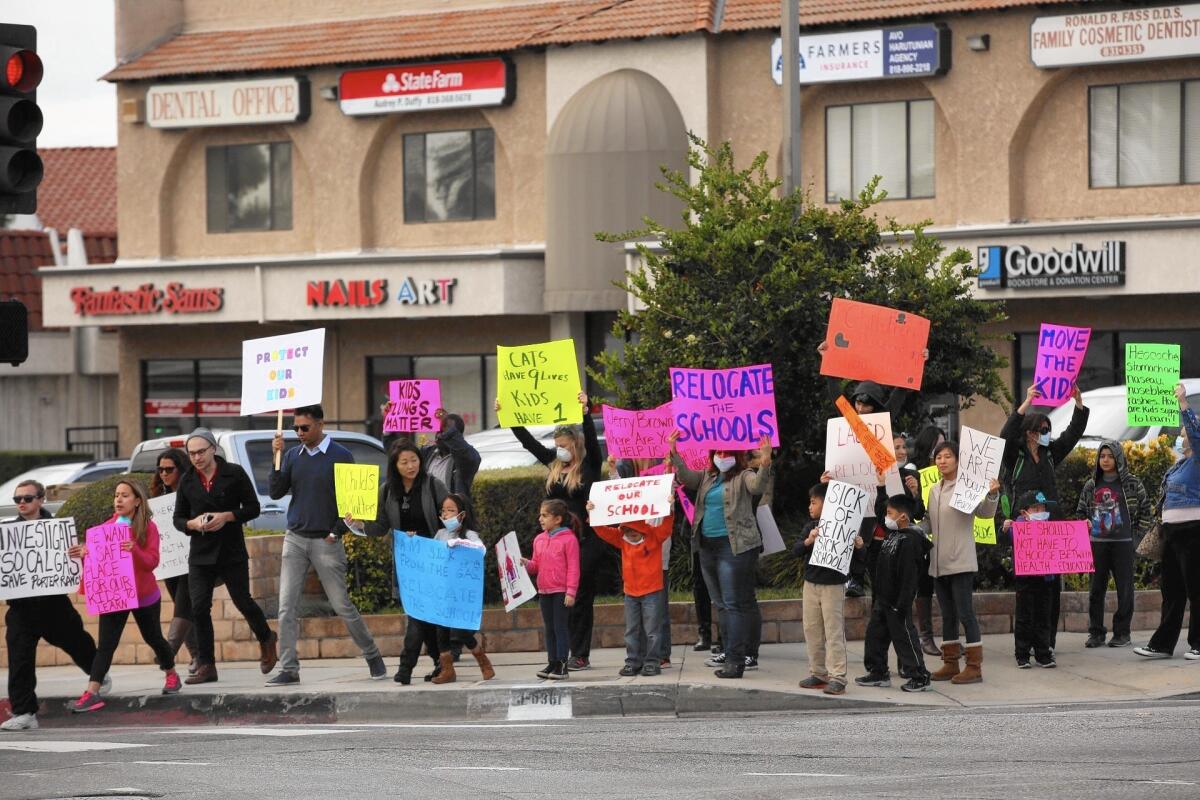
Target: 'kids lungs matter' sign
x,y
282,372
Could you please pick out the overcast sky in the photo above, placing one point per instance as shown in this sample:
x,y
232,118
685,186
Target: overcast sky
x,y
75,42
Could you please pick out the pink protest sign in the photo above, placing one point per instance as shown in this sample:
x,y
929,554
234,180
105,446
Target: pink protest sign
x,y
1060,353
724,408
413,403
689,510
1051,548
108,580
638,434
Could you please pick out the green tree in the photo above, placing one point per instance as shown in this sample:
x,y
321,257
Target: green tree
x,y
749,277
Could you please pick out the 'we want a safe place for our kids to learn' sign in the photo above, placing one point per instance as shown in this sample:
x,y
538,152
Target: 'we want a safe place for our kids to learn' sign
x,y
724,408
282,372
34,560
413,405
1060,353
538,384
108,580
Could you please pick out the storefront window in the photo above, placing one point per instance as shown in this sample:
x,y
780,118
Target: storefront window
x,y
891,140
1144,134
468,383
449,176
249,187
180,395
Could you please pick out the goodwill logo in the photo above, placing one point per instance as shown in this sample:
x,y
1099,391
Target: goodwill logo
x,y
1020,267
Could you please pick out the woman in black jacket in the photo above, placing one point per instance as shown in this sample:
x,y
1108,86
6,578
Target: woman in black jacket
x,y
574,465
171,466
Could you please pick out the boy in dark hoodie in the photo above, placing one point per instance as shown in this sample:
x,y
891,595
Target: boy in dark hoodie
x,y
1116,505
897,572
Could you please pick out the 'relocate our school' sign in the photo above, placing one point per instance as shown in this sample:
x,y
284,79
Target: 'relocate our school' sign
x,y
724,408
905,52
630,499
282,372
1116,35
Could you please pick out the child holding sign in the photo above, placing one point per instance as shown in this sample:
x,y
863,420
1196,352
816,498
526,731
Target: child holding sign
x,y
458,530
1034,620
131,507
555,566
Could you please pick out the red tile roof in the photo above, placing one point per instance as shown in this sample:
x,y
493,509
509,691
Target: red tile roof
x,y
504,29
79,190
22,252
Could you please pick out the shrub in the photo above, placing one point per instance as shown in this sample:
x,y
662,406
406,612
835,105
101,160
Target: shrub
x,y
369,572
92,505
18,462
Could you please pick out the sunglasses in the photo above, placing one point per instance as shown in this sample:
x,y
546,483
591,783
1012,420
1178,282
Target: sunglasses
x,y
302,428
1043,430
25,498
169,470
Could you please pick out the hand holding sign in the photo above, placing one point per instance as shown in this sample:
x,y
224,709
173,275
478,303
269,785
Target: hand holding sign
x,y
852,344
1060,354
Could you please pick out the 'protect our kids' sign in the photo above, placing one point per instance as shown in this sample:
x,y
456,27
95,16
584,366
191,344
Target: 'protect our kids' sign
x,y
413,405
718,409
638,434
866,342
1151,374
629,499
538,384
356,487
1051,547
1060,353
282,372
841,518
439,584
108,579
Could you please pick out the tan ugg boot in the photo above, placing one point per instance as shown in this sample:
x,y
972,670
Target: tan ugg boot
x,y
447,673
485,663
950,654
973,673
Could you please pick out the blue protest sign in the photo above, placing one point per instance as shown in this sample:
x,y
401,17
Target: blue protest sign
x,y
439,584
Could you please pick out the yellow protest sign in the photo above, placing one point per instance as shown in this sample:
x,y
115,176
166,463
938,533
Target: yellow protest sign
x,y
357,489
985,527
538,384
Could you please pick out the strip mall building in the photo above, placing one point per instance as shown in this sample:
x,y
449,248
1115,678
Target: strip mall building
x,y
426,184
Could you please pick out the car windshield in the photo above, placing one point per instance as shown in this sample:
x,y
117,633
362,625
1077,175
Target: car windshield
x,y
47,476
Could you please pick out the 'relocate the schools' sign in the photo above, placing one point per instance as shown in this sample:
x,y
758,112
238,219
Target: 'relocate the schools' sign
x,y
1019,267
421,87
908,52
1112,36
203,105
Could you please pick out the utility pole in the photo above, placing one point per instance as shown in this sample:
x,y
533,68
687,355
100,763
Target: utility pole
x,y
789,35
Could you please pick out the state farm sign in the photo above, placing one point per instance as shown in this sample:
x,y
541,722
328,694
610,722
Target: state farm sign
x,y
420,87
199,105
1116,35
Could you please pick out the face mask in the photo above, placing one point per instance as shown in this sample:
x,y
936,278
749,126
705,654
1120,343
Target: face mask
x,y
724,463
563,454
1179,445
452,524
891,524
1040,516
1044,440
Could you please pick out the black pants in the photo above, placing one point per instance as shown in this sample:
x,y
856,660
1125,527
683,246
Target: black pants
x,y
112,625
1115,558
1033,627
449,637
181,596
1180,586
30,619
1055,611
956,599
418,633
201,580
556,622
592,553
862,562
704,619
895,628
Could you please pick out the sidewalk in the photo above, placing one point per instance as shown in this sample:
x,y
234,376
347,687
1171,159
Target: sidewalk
x,y
338,690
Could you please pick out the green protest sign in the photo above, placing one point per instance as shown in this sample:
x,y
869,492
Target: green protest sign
x,y
1151,374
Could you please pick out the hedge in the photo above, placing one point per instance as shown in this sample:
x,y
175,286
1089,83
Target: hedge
x,y
18,462
93,504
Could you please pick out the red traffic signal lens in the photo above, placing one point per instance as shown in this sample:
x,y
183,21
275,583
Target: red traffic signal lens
x,y
23,71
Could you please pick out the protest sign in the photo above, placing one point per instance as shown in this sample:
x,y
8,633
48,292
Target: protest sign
x,y
846,460
1151,375
357,490
34,560
629,499
882,455
515,585
978,465
717,409
865,342
638,434
771,537
689,510
439,584
108,580
985,527
282,372
412,404
538,384
1053,547
841,519
1060,353
173,545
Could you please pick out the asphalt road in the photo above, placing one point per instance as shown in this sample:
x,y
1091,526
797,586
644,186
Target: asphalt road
x,y
1143,750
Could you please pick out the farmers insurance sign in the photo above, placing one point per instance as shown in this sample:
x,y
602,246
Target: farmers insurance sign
x,y
199,105
421,87
907,52
1113,36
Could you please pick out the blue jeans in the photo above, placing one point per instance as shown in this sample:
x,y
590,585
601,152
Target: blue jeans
x,y
643,625
730,581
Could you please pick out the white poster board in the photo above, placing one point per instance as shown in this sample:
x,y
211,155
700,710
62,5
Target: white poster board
x,y
841,520
979,457
515,585
630,499
846,460
34,561
282,372
173,546
772,539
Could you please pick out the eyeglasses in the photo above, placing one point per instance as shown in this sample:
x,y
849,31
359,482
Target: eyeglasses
x,y
198,453
25,498
168,470
301,428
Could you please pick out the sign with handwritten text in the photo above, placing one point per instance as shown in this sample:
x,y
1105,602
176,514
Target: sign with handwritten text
x,y
846,460
515,585
1060,353
538,384
357,489
638,434
411,406
979,456
882,455
174,546
841,519
629,499
866,342
685,503
282,372
985,527
34,560
108,580
1151,374
439,584
1053,547
718,409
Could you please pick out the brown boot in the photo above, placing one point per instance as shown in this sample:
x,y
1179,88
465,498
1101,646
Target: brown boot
x,y
485,663
973,673
446,675
177,634
923,612
268,653
205,673
950,654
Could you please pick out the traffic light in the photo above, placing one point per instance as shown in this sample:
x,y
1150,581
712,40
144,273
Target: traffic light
x,y
20,119
14,332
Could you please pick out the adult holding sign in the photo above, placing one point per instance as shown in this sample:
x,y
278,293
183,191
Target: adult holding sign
x,y
131,511
168,472
215,500
1060,353
1151,373
282,372
851,346
51,617
574,465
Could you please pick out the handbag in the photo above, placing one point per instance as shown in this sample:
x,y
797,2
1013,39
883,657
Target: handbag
x,y
1152,544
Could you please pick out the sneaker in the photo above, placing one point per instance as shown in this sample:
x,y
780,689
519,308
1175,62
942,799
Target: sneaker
x,y
105,685
1048,663
835,687
559,673
628,671
545,671
728,671
21,722
1095,640
172,684
377,668
701,646
1023,663
716,661
284,679
1193,654
1119,641
813,682
664,663
854,588
917,684
87,702
576,664
751,662
1150,652
650,669
882,681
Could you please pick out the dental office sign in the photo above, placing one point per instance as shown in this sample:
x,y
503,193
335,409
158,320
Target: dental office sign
x,y
908,52
202,105
1113,36
421,87
1021,267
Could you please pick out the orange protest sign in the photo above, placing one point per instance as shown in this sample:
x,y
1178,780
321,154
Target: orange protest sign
x,y
881,455
865,342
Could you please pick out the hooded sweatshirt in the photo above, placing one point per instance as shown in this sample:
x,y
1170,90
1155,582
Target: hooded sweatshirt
x,y
1117,508
899,566
555,562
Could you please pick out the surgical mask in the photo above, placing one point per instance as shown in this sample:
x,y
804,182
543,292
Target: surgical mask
x,y
452,524
1044,440
891,524
1179,445
1039,516
724,463
563,454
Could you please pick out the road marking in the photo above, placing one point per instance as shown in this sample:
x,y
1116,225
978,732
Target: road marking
x,y
233,730
1170,783
436,725
485,769
64,747
174,763
797,775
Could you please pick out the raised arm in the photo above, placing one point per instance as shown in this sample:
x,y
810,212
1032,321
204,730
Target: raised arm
x,y
591,443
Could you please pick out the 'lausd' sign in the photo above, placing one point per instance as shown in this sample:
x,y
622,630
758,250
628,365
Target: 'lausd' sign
x,y
34,561
719,409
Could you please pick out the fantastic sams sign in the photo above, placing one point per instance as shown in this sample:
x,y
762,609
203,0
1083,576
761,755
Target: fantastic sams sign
x,y
914,51
1021,267
420,87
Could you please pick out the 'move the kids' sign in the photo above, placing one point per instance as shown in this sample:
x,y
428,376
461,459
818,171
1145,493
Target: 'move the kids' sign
x,y
724,408
1060,353
282,372
538,384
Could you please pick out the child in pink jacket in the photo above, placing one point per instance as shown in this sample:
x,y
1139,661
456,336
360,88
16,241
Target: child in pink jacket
x,y
555,565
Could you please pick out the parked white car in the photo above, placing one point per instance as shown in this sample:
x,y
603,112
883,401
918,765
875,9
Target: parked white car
x,y
56,474
499,449
1108,418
